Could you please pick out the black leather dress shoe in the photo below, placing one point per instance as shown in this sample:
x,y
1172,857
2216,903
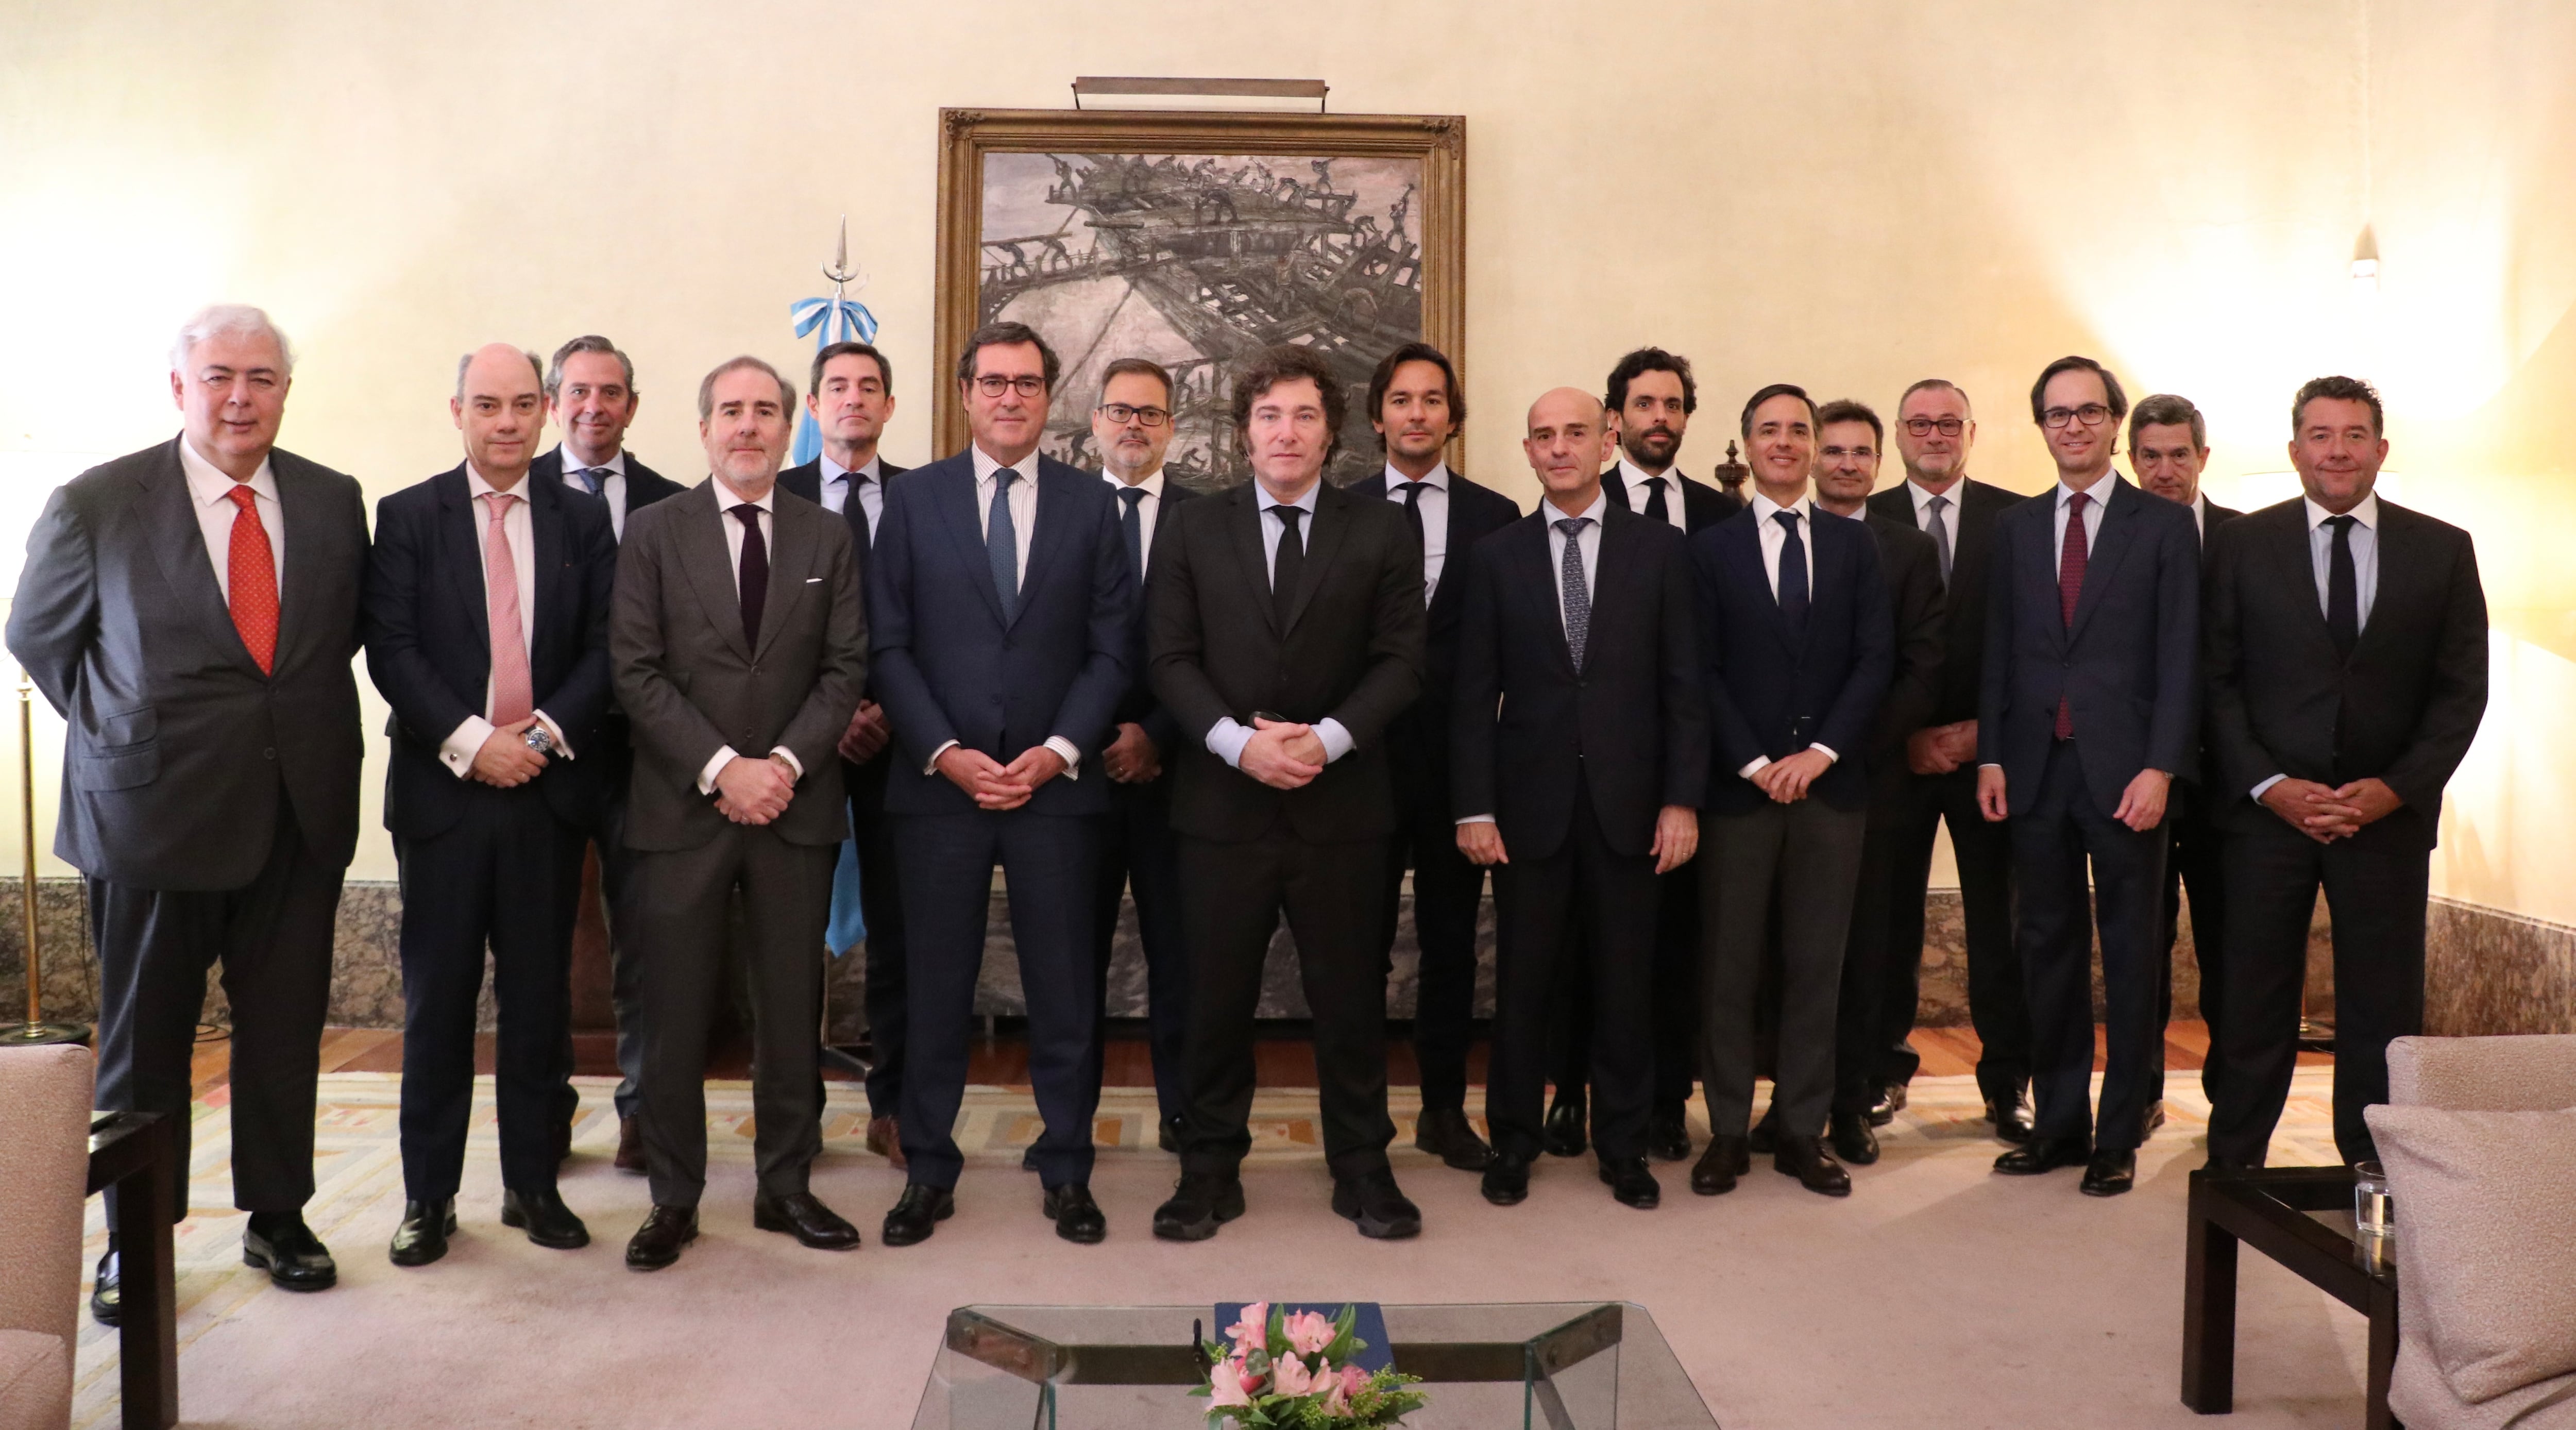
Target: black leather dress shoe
x,y
802,1215
1632,1184
1668,1137
545,1218
1806,1159
1889,1102
2155,1117
1563,1135
1029,1159
2011,1120
1076,1216
1373,1203
422,1237
2217,1166
2044,1154
2110,1173
287,1249
1764,1139
1506,1182
1199,1204
1168,1137
1445,1133
1726,1159
106,1302
1852,1139
917,1213
657,1242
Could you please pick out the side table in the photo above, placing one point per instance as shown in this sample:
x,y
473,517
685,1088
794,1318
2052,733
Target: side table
x,y
2267,1209
133,1152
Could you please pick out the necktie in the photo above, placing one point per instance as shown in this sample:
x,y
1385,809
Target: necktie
x,y
754,579
855,512
1793,571
251,580
1578,597
1132,523
1287,564
1655,507
1002,545
512,696
2343,589
2070,586
1413,510
1941,536
594,480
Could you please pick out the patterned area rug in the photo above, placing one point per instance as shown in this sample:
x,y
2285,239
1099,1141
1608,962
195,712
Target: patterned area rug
x,y
358,1163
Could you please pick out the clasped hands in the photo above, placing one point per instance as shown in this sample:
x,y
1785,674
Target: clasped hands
x,y
1283,754
995,785
505,761
1939,749
2326,814
750,791
1786,780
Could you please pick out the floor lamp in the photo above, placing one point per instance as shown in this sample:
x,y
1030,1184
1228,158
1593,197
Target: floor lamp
x,y
35,1031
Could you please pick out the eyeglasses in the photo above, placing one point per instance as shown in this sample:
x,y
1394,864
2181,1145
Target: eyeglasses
x,y
2091,414
1926,426
1122,414
994,384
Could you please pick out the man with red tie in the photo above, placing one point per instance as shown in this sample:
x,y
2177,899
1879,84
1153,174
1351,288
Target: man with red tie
x,y
191,610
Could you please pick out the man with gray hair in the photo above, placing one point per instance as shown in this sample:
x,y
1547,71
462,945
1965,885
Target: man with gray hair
x,y
191,610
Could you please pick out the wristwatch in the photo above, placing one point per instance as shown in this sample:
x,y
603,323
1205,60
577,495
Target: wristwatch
x,y
539,739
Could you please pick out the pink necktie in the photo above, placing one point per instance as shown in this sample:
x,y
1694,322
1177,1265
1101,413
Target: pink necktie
x,y
511,699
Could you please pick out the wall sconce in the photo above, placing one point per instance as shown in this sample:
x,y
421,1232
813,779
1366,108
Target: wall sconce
x,y
2365,262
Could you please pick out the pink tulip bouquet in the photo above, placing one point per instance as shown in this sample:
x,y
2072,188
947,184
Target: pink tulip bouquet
x,y
1279,1371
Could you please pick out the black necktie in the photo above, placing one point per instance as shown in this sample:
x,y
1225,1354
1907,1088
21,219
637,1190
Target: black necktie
x,y
1413,510
1132,521
754,577
2343,590
1655,507
855,511
1793,571
1287,565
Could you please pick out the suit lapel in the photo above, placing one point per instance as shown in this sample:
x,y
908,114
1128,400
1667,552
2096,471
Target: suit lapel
x,y
1750,563
463,536
1248,552
1051,534
708,558
2120,516
179,546
955,500
299,585
1323,539
791,555
1536,579
2398,566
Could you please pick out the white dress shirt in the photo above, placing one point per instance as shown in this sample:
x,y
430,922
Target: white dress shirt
x,y
2200,518
1947,518
1635,479
457,751
1774,539
1147,511
2365,568
1226,738
2100,492
612,484
210,490
726,500
836,484
1588,548
1434,509
1023,501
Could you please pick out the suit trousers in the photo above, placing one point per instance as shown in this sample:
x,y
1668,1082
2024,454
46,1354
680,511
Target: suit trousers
x,y
2377,884
1540,903
607,834
2197,864
1140,854
1875,971
1050,863
272,937
681,901
2052,846
1446,892
1801,860
881,904
1233,896
1996,1005
507,874
1673,1021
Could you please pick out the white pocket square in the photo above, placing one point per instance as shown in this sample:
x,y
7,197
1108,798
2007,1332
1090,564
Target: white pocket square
x,y
813,580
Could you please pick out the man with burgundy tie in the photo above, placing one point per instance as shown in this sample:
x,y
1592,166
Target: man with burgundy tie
x,y
487,632
2089,711
739,647
191,610
850,394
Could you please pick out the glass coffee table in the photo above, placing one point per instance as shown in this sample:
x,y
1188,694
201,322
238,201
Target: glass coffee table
x,y
1541,1365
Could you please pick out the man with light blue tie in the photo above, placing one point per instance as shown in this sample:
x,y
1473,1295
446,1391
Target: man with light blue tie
x,y
1002,610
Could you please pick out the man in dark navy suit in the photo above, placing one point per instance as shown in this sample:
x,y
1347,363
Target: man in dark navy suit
x,y
1417,405
850,395
1003,617
2089,712
487,631
1799,647
590,393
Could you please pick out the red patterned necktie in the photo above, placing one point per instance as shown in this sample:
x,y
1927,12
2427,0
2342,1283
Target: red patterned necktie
x,y
251,580
2070,586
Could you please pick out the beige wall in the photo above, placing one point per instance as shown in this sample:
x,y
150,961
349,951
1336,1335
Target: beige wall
x,y
1844,193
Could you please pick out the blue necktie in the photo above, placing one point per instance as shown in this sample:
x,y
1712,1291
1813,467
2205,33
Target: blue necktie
x,y
1002,545
1578,597
590,478
1793,572
1132,522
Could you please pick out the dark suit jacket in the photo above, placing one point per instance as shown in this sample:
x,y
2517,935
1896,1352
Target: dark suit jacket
x,y
1351,651
178,744
429,639
1137,704
1422,773
807,482
2128,663
1911,565
1963,601
1773,693
644,486
1631,725
1703,506
949,667
2404,707
691,684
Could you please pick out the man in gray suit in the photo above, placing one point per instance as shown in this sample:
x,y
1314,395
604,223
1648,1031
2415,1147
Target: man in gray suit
x,y
739,648
191,610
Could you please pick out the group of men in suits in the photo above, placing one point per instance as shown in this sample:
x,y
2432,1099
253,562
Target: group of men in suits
x,y
1702,748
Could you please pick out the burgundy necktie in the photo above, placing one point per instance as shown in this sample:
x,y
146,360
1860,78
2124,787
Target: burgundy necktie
x,y
2070,586
754,578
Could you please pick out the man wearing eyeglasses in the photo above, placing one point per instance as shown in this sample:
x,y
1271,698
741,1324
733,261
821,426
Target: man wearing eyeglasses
x,y
1003,614
2089,711
1935,432
1133,427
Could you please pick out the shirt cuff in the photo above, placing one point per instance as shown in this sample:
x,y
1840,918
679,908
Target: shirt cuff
x,y
1827,751
793,763
1477,819
2267,784
1337,741
1989,765
1226,739
462,744
562,747
1065,751
1754,766
707,777
931,766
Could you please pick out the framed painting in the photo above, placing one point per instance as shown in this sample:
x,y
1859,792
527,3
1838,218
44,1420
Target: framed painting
x,y
1195,239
